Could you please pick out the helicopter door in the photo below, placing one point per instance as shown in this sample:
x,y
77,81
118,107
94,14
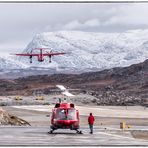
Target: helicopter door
x,y
52,116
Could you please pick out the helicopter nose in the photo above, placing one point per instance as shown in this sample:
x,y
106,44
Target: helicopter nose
x,y
67,122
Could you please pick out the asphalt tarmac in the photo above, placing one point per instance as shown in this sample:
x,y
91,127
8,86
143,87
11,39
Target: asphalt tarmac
x,y
38,136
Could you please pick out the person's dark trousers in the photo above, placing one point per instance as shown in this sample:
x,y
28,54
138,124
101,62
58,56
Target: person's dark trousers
x,y
91,128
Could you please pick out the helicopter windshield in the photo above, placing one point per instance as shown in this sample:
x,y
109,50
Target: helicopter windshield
x,y
61,114
71,114
66,114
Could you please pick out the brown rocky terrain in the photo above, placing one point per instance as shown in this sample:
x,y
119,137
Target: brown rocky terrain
x,y
7,119
116,86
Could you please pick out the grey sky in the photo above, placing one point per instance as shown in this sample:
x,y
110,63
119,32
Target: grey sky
x,y
20,22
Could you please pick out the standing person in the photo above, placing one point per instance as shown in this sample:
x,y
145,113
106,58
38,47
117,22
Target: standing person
x,y
91,120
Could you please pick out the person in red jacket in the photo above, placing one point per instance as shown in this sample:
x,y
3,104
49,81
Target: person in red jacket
x,y
91,120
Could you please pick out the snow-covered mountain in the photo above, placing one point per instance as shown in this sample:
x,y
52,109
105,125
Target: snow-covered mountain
x,y
8,63
87,51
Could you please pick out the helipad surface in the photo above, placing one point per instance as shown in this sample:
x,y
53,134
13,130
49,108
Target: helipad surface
x,y
39,136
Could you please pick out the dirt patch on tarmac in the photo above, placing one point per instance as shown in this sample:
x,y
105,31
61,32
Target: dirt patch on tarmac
x,y
140,134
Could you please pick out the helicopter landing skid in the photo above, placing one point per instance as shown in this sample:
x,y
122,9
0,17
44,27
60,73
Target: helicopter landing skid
x,y
79,132
50,132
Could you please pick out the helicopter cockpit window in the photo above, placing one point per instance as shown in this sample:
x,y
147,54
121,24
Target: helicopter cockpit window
x,y
71,114
61,114
66,114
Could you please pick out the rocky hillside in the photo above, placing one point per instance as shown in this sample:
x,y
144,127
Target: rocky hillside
x,y
116,86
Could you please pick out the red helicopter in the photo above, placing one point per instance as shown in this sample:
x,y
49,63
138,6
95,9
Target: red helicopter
x,y
65,115
41,55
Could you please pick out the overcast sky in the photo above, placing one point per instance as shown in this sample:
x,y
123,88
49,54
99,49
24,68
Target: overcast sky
x,y
20,22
